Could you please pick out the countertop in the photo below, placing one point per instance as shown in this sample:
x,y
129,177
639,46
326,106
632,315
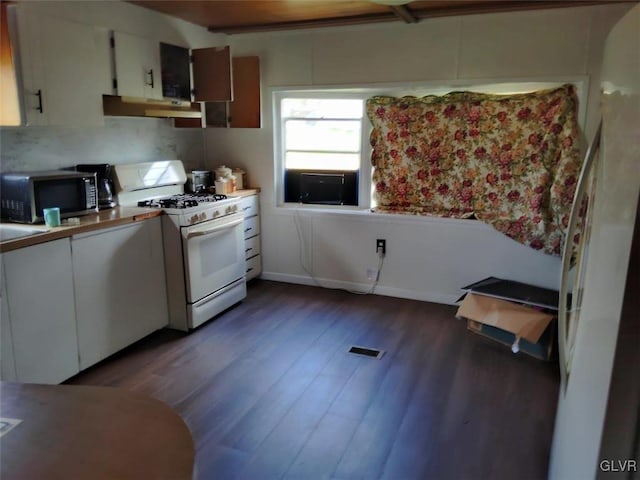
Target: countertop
x,y
104,219
244,193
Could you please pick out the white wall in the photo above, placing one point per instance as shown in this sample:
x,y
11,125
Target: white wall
x,y
427,258
121,140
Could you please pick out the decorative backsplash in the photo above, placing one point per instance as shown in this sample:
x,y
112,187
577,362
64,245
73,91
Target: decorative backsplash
x,y
120,141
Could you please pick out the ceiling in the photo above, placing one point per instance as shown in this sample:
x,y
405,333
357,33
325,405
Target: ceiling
x,y
242,16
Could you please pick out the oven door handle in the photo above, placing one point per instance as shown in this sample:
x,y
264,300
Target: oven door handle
x,y
203,230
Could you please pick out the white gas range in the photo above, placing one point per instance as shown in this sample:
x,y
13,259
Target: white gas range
x,y
202,236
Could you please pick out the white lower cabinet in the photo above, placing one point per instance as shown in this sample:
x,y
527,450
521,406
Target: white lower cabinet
x,y
8,364
38,316
120,289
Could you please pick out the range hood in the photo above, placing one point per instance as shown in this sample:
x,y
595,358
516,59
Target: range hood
x,y
116,106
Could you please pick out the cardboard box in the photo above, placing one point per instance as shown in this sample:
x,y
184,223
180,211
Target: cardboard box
x,y
510,323
543,349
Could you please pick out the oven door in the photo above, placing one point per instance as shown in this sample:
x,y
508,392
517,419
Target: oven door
x,y
213,254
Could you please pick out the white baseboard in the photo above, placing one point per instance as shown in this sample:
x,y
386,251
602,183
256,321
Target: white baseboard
x,y
362,287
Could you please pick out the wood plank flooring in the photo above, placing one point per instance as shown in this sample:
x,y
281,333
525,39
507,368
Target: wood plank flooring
x,y
269,391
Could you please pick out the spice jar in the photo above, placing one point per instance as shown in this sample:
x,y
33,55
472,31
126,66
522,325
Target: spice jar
x,y
221,186
223,171
241,178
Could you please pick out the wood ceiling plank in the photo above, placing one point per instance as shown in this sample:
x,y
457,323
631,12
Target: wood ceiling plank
x,y
312,23
224,13
404,13
428,9
232,16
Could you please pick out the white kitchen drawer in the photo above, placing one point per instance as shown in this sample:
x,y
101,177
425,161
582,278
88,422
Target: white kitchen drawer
x,y
254,267
251,227
252,246
249,206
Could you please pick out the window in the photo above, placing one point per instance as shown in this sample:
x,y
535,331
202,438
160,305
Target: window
x,y
321,148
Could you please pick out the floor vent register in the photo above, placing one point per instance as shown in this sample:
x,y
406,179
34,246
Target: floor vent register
x,y
367,352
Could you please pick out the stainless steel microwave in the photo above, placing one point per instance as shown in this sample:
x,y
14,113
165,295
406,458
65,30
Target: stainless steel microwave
x,y
24,195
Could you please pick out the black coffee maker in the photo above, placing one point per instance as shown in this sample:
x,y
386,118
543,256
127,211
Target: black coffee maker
x,y
104,180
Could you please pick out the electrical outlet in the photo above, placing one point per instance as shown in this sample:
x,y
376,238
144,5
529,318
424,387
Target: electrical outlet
x,y
381,245
372,274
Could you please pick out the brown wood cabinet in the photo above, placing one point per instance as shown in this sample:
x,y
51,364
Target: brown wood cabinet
x,y
212,74
243,111
9,105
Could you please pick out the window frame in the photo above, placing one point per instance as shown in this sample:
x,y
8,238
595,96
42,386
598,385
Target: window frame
x,y
364,170
416,89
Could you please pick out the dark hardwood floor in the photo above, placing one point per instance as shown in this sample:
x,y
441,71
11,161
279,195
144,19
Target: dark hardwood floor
x,y
269,390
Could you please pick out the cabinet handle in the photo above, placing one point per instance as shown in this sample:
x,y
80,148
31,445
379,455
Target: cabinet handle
x,y
39,95
247,229
249,269
246,208
247,249
150,73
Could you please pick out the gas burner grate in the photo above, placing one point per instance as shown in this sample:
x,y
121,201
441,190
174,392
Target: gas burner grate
x,y
205,197
186,200
177,203
168,203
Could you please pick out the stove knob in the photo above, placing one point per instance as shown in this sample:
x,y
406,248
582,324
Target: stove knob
x,y
203,217
227,210
234,208
216,214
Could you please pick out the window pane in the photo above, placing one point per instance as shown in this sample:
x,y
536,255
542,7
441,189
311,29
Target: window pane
x,y
322,108
323,135
322,161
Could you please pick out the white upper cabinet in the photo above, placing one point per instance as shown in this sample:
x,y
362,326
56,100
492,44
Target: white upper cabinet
x,y
65,69
138,67
145,69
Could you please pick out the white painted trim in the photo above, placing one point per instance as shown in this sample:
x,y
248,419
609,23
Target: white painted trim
x,y
364,169
362,287
310,211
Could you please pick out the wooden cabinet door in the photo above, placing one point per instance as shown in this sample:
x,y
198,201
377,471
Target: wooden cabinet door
x,y
65,68
212,74
9,100
39,286
120,288
244,110
138,66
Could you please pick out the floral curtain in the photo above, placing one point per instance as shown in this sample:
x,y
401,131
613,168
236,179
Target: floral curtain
x,y
511,161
